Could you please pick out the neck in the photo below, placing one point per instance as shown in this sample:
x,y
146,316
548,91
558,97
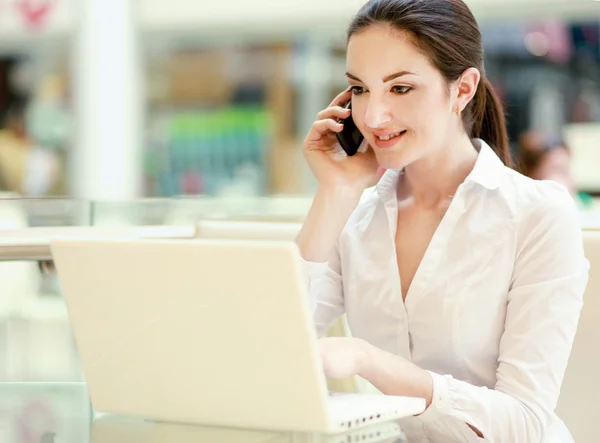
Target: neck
x,y
433,180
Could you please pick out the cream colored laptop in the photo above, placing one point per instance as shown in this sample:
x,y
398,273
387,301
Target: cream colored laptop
x,y
119,429
213,332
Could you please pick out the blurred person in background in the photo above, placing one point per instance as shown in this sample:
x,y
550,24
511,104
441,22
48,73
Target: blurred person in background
x,y
27,168
14,147
19,280
543,157
462,280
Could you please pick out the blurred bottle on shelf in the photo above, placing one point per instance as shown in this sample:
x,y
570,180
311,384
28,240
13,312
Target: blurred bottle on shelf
x,y
211,152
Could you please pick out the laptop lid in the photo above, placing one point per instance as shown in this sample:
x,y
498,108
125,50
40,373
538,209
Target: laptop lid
x,y
198,331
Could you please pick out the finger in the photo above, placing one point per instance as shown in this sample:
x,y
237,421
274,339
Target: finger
x,y
328,143
325,143
327,126
334,111
329,139
342,98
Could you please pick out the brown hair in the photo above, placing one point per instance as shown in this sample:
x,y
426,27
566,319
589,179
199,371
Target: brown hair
x,y
447,32
533,148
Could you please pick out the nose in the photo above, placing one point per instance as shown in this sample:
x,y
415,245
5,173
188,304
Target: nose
x,y
378,114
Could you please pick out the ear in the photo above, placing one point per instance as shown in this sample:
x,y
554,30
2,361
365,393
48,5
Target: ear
x,y
466,87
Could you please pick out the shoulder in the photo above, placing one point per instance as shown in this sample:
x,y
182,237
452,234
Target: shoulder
x,y
538,200
545,213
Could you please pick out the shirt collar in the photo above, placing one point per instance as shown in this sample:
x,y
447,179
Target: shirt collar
x,y
488,169
487,172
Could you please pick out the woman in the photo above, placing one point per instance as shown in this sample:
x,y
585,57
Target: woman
x,y
549,158
462,280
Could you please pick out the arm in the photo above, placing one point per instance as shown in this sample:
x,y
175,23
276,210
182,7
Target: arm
x,y
317,242
341,183
543,310
326,218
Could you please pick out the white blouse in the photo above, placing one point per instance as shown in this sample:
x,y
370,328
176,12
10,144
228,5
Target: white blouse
x,y
492,310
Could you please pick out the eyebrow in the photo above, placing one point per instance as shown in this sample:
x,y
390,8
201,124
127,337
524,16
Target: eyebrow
x,y
386,79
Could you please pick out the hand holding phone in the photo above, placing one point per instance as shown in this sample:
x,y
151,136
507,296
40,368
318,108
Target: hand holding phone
x,y
320,148
350,138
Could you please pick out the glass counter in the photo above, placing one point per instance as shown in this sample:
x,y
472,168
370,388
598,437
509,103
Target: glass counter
x,y
62,413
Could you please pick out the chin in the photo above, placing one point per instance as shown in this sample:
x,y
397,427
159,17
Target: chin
x,y
391,159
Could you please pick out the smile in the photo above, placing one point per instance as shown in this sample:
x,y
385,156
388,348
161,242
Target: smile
x,y
390,136
388,140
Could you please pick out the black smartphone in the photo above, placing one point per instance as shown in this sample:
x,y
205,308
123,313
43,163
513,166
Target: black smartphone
x,y
350,137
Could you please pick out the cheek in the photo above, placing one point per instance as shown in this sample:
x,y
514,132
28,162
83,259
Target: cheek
x,y
418,110
424,111
358,113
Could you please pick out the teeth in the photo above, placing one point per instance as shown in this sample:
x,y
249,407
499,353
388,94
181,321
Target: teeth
x,y
387,137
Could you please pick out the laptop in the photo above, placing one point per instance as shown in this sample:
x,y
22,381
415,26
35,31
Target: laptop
x,y
214,332
120,429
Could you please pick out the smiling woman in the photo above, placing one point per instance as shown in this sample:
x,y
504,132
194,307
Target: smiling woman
x,y
462,280
440,70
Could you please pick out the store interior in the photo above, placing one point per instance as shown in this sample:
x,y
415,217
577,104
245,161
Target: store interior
x,y
225,103
225,112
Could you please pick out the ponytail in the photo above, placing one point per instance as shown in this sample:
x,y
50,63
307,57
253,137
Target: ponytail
x,y
489,122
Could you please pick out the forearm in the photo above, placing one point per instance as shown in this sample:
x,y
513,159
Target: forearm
x,y
394,375
326,218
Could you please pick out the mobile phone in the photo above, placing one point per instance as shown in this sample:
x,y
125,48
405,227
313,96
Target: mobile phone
x,y
350,138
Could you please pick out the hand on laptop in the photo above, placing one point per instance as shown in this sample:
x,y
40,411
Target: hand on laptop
x,y
392,374
342,357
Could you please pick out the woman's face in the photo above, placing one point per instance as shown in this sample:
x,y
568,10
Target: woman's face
x,y
400,102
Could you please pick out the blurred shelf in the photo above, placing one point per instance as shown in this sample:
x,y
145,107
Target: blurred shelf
x,y
229,20
331,17
34,243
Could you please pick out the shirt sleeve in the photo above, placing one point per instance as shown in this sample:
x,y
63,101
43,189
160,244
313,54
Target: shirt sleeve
x,y
543,309
324,284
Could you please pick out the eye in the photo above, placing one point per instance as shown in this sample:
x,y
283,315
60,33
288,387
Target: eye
x,y
357,90
400,90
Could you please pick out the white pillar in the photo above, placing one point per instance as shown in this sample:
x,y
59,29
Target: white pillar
x,y
106,161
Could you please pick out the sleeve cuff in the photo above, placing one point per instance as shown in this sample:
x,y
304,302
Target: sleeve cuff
x,y
313,269
441,403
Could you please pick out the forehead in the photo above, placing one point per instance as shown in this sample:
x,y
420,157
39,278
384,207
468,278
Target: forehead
x,y
380,50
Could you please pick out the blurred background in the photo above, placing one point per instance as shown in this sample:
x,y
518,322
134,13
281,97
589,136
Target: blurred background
x,y
155,98
156,112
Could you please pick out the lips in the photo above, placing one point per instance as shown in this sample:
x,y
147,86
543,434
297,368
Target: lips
x,y
389,136
388,140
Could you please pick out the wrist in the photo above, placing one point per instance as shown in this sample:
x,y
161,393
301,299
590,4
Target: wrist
x,y
367,359
382,370
349,192
426,386
340,199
